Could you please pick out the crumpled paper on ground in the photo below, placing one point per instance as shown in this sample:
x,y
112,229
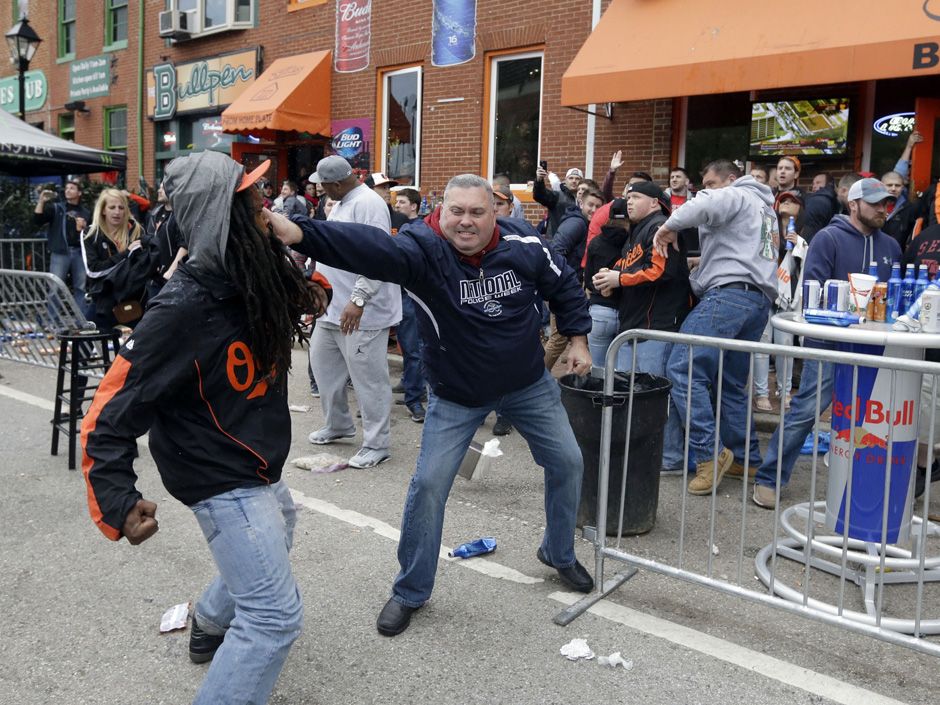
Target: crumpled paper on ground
x,y
321,462
614,660
174,618
576,650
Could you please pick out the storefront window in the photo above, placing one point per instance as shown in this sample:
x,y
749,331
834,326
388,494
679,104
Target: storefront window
x,y
515,106
718,127
66,28
401,129
67,126
215,13
115,128
116,25
187,133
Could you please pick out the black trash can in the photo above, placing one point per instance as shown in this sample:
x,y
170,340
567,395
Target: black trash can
x,y
583,400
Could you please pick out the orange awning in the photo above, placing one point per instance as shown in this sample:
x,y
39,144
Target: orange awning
x,y
293,94
644,49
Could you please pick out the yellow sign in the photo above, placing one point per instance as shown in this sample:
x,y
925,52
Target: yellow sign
x,y
207,83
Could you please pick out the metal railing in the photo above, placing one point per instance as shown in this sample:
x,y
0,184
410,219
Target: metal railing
x,y
34,308
27,254
802,549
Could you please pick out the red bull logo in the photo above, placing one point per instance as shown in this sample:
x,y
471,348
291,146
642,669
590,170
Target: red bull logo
x,y
873,412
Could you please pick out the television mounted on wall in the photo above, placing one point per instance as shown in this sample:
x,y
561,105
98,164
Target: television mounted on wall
x,y
817,127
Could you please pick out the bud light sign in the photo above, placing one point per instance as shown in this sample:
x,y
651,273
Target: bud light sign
x,y
351,139
861,430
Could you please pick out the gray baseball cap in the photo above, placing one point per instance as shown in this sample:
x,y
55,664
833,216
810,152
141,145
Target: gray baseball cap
x,y
331,169
869,190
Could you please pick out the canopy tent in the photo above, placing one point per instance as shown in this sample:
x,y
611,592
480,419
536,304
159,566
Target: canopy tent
x,y
28,151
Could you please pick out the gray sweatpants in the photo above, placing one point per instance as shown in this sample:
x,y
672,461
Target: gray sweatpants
x,y
363,356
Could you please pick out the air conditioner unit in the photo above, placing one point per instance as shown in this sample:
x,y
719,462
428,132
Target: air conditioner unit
x,y
174,24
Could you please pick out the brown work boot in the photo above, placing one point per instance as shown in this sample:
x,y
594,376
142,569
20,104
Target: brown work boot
x,y
707,472
737,470
765,497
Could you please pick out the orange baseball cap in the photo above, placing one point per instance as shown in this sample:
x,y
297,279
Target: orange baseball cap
x,y
251,177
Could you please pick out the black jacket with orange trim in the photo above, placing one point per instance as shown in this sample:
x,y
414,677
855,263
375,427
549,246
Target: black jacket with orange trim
x,y
186,375
654,291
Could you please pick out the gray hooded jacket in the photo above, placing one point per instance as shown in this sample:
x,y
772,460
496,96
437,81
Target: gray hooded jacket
x,y
736,226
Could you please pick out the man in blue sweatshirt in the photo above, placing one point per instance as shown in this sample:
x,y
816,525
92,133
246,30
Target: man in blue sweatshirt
x,y
848,244
476,283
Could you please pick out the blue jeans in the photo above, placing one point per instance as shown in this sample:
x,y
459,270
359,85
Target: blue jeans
x,y
62,265
253,600
605,324
652,356
412,376
722,313
784,364
797,424
537,413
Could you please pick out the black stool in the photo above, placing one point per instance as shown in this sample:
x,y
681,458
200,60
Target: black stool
x,y
78,354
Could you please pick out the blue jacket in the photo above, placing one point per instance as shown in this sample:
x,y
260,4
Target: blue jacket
x,y
480,325
839,248
571,237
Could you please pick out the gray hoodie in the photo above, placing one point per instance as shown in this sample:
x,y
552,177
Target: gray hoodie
x,y
736,226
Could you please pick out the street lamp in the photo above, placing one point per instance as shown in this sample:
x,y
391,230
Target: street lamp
x,y
23,42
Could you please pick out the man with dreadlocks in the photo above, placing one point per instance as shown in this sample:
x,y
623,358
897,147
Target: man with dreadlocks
x,y
205,372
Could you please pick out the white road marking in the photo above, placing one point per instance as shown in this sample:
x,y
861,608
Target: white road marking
x,y
748,659
486,566
27,398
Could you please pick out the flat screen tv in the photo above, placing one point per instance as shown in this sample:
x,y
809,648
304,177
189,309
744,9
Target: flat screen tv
x,y
812,127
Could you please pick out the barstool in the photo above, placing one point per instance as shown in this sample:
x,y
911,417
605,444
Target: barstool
x,y
78,354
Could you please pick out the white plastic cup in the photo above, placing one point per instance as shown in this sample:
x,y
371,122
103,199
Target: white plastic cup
x,y
860,286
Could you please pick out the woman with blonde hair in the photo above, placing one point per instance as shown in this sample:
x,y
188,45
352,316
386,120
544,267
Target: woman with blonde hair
x,y
117,264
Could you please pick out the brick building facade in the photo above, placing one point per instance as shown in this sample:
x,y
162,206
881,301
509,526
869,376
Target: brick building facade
x,y
455,100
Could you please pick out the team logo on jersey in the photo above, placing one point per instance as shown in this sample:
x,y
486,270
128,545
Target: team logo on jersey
x,y
476,291
492,308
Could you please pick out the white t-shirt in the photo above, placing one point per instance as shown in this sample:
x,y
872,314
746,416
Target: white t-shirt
x,y
383,309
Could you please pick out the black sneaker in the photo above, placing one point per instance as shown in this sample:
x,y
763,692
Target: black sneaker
x,y
920,483
502,427
315,391
202,646
417,412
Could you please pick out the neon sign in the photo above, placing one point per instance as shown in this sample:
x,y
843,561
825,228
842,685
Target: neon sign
x,y
894,125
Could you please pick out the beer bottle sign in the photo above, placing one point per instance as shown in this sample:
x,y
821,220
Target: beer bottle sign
x,y
353,35
453,32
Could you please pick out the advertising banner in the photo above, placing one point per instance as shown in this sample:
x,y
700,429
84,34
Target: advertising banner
x,y
453,32
198,85
353,35
352,140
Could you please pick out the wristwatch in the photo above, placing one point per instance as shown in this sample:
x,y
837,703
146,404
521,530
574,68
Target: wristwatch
x,y
358,301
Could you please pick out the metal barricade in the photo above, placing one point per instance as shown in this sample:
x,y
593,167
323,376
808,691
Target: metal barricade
x,y
800,550
34,308
27,254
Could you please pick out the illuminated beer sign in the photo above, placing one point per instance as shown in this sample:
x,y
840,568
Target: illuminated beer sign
x,y
894,125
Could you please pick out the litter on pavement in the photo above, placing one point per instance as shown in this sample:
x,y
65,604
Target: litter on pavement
x,y
174,618
321,462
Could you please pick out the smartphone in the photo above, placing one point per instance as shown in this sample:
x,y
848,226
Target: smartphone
x,y
544,164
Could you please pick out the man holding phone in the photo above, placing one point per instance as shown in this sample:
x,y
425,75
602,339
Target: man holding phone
x,y
557,202
66,220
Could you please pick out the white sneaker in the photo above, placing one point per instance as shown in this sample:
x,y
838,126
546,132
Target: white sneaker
x,y
368,458
325,436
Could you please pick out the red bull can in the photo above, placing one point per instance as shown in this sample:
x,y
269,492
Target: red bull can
x,y
837,294
882,410
930,311
811,293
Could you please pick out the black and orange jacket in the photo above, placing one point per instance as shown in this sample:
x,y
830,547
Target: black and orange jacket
x,y
186,375
654,291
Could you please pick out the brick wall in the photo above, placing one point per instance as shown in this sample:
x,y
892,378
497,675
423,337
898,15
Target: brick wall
x,y
452,132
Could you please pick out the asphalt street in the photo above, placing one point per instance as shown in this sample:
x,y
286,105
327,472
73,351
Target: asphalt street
x,y
79,615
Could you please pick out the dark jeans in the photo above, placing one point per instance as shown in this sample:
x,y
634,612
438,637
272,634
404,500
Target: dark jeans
x,y
412,378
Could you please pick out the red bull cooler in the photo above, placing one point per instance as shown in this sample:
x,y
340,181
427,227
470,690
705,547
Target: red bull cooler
x,y
860,435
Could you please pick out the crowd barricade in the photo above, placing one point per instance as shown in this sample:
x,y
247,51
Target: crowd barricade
x,y
28,254
34,308
885,589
